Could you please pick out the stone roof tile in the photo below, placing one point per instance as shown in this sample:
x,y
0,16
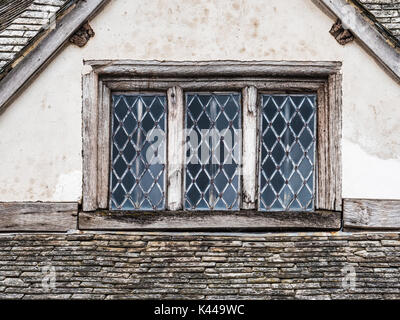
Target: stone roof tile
x,y
31,20
387,12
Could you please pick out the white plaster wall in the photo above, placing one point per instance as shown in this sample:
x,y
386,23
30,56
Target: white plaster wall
x,y
40,157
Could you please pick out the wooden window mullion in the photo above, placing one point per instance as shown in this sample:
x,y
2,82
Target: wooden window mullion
x,y
250,148
175,148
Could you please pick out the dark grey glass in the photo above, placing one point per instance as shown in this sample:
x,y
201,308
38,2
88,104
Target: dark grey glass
x,y
287,163
138,152
212,178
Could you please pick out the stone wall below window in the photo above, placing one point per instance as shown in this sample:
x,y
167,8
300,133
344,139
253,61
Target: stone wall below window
x,y
98,265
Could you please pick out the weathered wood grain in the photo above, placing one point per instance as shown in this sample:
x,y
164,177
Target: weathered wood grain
x,y
89,140
371,214
336,138
243,220
103,145
175,150
123,62
322,182
263,83
215,68
250,147
329,131
38,216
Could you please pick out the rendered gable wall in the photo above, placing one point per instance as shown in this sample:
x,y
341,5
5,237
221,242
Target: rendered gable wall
x,y
40,132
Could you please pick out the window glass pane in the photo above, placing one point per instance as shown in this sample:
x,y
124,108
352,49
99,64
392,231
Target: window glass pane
x,y
212,151
286,179
138,152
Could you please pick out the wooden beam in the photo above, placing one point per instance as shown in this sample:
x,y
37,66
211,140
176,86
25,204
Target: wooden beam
x,y
215,68
90,140
175,150
250,149
38,216
103,145
371,214
335,128
329,132
210,221
18,77
274,84
364,30
322,156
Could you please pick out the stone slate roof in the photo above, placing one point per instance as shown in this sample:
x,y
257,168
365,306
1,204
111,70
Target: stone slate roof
x,y
387,12
117,265
21,22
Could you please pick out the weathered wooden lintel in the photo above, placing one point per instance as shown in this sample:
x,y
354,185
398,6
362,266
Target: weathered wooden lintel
x,y
262,83
214,68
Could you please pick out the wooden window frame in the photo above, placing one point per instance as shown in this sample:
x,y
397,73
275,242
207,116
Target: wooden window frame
x,y
101,78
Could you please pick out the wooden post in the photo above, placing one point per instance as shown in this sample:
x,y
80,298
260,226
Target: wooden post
x,y
89,127
103,145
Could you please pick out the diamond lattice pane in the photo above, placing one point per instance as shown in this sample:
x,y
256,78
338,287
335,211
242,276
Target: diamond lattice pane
x,y
287,159
138,154
212,178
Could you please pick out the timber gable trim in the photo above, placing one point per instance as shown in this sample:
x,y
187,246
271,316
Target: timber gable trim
x,y
42,54
382,45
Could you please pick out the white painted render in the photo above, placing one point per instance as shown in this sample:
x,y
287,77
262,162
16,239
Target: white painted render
x,y
40,157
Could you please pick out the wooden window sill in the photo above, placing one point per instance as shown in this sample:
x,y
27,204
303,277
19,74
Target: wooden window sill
x,y
214,220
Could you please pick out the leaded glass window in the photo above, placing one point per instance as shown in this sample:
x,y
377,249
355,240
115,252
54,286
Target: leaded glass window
x,y
224,139
287,160
138,154
212,178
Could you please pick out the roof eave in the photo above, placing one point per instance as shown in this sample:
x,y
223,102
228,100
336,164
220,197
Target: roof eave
x,y
365,30
35,60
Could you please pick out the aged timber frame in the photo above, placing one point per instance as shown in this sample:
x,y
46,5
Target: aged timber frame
x,y
101,78
372,214
38,216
